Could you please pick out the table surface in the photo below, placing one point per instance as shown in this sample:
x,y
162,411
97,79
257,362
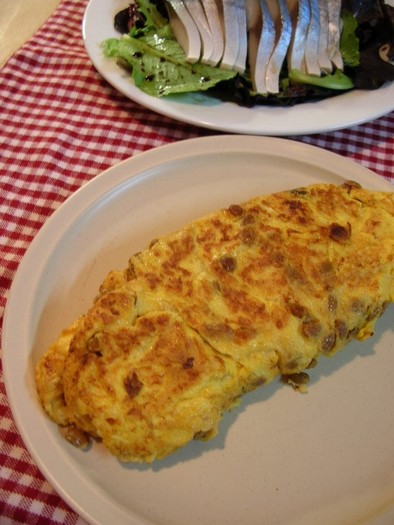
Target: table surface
x,y
19,20
61,125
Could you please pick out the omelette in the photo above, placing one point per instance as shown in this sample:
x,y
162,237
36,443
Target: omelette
x,y
253,292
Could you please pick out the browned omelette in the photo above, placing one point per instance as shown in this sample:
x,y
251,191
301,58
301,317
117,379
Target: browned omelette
x,y
216,309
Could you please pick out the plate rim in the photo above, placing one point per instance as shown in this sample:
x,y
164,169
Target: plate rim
x,y
107,181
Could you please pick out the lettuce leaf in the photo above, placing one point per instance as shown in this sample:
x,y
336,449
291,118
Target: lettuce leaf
x,y
158,65
152,15
349,40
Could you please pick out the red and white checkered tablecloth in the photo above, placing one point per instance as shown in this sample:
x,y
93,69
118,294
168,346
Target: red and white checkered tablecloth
x,y
61,124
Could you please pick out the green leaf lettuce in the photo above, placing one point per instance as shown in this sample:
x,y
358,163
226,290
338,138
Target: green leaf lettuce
x,y
158,64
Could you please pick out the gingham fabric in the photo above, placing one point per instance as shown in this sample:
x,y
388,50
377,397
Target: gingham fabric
x,y
61,124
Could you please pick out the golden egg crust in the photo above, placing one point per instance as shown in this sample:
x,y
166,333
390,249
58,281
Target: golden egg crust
x,y
226,304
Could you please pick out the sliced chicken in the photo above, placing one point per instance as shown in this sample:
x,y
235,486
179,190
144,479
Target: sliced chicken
x,y
197,12
262,36
216,29
240,13
185,29
334,32
296,57
312,40
324,59
226,10
284,33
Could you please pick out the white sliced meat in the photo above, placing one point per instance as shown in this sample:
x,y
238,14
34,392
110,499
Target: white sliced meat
x,y
296,56
185,29
240,62
324,59
215,25
254,26
334,32
280,49
197,12
227,11
262,37
312,40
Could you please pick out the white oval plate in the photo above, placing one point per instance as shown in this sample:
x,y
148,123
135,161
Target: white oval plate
x,y
282,457
342,111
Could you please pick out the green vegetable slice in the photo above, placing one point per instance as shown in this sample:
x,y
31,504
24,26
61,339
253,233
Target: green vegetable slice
x,y
336,80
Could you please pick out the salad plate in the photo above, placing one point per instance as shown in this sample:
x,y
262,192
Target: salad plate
x,y
276,448
342,111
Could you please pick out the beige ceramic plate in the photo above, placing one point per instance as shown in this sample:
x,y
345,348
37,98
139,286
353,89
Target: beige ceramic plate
x,y
282,458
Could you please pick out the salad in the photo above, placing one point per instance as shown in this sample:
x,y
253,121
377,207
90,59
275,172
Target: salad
x,y
148,48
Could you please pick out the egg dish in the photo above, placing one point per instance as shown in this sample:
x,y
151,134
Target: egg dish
x,y
231,301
